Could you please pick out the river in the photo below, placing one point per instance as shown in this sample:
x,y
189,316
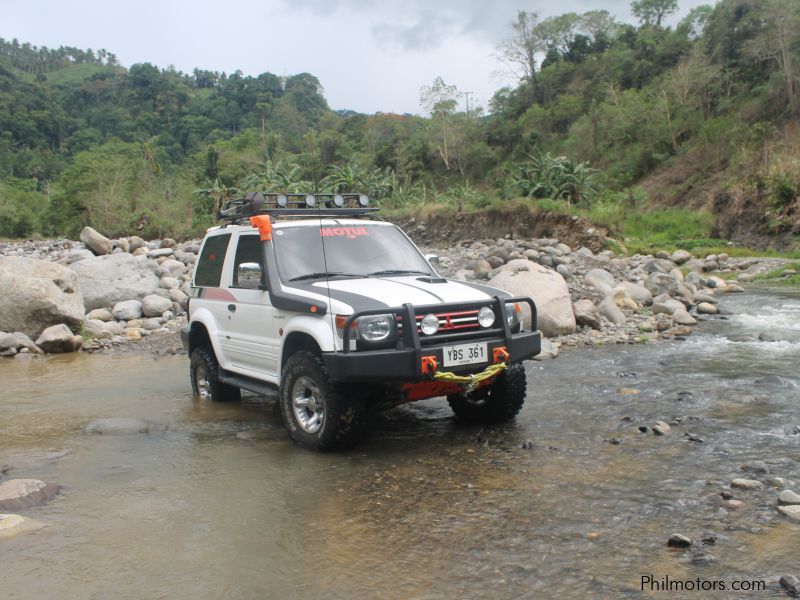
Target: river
x,y
216,502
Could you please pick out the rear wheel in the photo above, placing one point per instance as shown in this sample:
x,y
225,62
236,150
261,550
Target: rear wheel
x,y
204,373
319,413
497,402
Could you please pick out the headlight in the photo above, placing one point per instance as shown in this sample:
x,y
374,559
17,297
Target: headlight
x,y
429,324
486,317
512,315
375,328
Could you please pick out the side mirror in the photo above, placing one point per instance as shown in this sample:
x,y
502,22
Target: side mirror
x,y
432,258
250,275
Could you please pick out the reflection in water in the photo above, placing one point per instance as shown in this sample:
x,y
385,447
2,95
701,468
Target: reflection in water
x,y
217,502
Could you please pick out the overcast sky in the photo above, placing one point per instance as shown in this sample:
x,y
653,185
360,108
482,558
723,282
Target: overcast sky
x,y
369,55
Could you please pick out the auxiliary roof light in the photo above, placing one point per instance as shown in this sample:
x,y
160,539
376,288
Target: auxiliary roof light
x,y
282,200
338,200
311,201
363,200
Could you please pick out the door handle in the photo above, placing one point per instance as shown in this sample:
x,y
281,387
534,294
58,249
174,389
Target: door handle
x,y
232,307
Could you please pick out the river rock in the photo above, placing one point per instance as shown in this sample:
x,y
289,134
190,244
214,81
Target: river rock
x,y
661,428
706,308
601,280
179,297
17,494
548,290
638,293
747,484
171,267
586,313
609,309
135,242
59,338
678,540
97,329
155,306
127,310
106,280
117,426
681,317
99,314
11,525
169,283
662,283
792,511
755,466
788,497
667,307
680,256
791,584
96,242
37,294
159,252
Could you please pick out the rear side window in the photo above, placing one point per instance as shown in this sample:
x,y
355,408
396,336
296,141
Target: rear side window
x,y
212,257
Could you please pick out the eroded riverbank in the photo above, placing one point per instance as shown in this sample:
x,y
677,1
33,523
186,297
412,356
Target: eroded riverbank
x,y
215,501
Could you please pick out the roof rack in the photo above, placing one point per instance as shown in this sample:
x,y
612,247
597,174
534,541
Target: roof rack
x,y
268,203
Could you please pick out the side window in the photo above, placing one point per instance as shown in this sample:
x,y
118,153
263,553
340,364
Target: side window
x,y
248,264
212,257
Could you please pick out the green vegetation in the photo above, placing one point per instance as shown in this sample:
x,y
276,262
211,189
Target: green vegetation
x,y
600,109
777,276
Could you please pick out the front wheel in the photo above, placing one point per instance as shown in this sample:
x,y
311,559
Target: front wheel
x,y
204,373
319,413
497,402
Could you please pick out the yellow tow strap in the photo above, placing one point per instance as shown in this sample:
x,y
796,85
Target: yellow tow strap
x,y
470,382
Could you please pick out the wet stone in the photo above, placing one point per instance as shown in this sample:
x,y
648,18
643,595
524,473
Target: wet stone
x,y
702,559
792,511
11,525
661,428
747,484
788,497
726,494
733,504
527,445
791,584
17,494
755,466
678,540
117,426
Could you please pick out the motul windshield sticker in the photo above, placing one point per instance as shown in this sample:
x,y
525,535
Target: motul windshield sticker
x,y
348,232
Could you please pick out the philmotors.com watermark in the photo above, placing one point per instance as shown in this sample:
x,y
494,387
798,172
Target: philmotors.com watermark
x,y
651,583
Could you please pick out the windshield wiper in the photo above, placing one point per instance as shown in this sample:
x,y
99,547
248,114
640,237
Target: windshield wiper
x,y
400,272
329,274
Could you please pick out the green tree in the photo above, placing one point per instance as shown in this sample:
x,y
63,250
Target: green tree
x,y
652,12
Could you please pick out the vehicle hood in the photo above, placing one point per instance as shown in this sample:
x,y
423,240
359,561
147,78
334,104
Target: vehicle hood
x,y
380,292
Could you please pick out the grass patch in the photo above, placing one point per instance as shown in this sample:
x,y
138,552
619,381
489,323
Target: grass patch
x,y
777,276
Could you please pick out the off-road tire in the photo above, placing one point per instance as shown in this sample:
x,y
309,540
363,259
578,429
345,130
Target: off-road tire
x,y
343,409
204,362
498,402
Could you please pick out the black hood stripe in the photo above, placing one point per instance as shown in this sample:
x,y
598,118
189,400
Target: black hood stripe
x,y
359,302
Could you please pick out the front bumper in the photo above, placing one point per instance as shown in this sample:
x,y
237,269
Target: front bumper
x,y
406,365
404,362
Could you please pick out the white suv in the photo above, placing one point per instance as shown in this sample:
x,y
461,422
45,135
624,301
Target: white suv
x,y
311,302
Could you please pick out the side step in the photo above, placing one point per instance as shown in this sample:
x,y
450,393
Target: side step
x,y
251,385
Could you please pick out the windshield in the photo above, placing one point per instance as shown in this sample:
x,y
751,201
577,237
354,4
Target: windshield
x,y
354,251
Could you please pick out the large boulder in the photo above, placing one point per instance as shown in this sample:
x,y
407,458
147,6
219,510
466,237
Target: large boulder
x,y
59,338
106,280
609,309
548,289
96,242
37,294
586,313
662,283
127,310
18,494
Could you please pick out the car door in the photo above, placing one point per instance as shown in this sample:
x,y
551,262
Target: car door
x,y
250,327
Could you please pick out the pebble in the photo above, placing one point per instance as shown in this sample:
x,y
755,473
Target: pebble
x,y
527,445
678,540
747,484
11,525
733,504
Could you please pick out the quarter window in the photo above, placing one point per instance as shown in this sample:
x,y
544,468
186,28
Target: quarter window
x,y
212,257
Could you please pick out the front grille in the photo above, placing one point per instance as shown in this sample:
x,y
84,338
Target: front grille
x,y
450,322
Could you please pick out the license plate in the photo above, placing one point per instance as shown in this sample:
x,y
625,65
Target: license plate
x,y
464,354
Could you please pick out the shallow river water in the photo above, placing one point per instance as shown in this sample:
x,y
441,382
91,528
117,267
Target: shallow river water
x,y
216,502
